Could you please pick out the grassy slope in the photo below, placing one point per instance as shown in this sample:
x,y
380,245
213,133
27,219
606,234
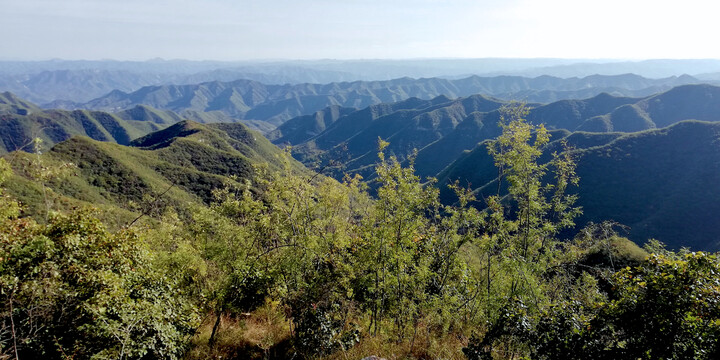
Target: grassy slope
x,y
189,159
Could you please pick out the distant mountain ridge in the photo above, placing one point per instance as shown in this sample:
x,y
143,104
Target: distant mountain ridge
x,y
603,113
79,81
441,131
379,69
247,99
70,86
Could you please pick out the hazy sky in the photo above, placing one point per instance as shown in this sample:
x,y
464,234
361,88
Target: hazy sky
x,y
344,29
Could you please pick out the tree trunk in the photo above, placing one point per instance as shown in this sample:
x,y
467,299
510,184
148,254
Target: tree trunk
x,y
211,342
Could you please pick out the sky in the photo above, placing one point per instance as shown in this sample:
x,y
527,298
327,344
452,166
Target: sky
x,y
357,29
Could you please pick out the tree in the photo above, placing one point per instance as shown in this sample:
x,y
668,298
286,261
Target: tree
x,y
9,208
521,226
410,269
286,236
519,237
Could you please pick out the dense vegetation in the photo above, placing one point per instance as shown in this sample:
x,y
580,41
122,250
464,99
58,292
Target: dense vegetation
x,y
280,263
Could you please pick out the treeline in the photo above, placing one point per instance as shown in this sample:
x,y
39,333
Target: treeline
x,y
287,265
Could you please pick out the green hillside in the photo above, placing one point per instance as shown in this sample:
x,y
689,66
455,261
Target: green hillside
x,y
11,104
53,126
21,122
188,158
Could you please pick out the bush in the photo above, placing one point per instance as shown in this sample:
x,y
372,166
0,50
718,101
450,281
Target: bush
x,y
668,307
72,289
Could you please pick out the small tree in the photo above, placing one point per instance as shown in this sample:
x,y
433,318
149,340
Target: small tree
x,y
521,228
522,225
409,257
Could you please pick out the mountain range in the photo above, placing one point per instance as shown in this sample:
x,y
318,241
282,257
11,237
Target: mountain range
x,y
441,129
247,99
648,162
58,87
65,82
22,121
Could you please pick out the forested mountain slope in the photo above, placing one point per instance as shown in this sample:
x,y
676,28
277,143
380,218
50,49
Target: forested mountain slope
x,y
662,183
442,129
188,160
299,129
17,131
407,125
22,121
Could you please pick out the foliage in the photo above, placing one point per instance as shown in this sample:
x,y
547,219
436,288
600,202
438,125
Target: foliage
x,y
668,308
411,268
661,309
319,333
519,234
329,254
72,289
327,266
8,207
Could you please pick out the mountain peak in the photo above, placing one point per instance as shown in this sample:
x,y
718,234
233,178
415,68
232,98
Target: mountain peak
x,y
440,99
165,137
12,104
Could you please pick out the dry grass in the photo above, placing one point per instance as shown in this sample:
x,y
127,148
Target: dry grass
x,y
425,345
263,334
